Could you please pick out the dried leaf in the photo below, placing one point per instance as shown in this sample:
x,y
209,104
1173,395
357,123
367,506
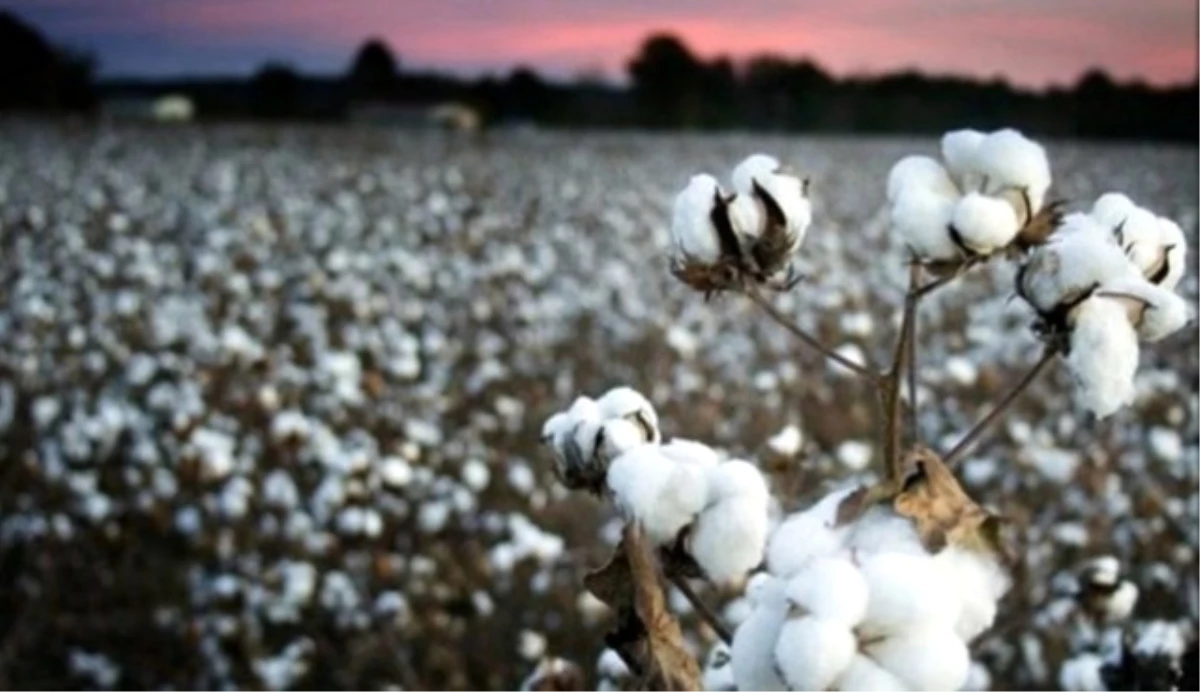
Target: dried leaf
x,y
943,512
1040,226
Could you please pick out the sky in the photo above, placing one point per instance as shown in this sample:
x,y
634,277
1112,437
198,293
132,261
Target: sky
x,y
1033,43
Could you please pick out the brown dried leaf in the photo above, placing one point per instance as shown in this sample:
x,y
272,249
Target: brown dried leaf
x,y
647,635
944,513
1040,227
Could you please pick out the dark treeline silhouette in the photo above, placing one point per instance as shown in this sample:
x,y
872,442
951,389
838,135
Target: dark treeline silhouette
x,y
670,88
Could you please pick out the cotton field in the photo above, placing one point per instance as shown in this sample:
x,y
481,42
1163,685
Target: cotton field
x,y
273,404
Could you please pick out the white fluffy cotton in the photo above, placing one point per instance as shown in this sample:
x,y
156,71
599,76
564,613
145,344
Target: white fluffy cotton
x,y
1010,160
1174,247
960,149
690,452
922,219
806,535
617,436
906,591
691,222
979,582
785,189
753,645
1154,311
812,652
985,224
1079,256
865,675
1082,674
1103,357
626,402
919,173
730,534
830,588
928,657
662,494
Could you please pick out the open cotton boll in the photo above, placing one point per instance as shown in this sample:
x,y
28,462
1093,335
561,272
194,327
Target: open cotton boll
x,y
691,220
865,675
583,408
1111,208
663,495
1154,311
906,591
830,588
928,657
617,436
921,173
960,149
690,452
785,189
1103,357
754,167
626,402
1078,258
746,215
718,670
812,652
806,535
1174,251
880,530
586,438
753,646
728,538
737,478
1138,235
922,220
980,583
553,431
1009,159
984,224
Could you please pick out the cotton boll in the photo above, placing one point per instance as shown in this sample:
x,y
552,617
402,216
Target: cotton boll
x,y
980,582
754,167
960,149
690,452
746,215
1174,250
922,173
906,591
662,494
785,189
1154,311
753,646
1103,357
618,436
626,402
691,222
984,224
929,657
586,438
830,588
583,408
812,652
718,670
1009,159
865,675
807,535
922,220
1083,674
1079,257
1138,235
880,530
1111,208
737,479
729,537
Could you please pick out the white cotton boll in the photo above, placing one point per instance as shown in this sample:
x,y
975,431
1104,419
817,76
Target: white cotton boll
x,y
922,173
881,530
1120,604
691,222
1155,312
806,535
664,495
583,408
1174,246
786,442
626,402
922,220
718,670
618,436
905,591
1009,159
985,224
865,675
745,215
690,452
586,437
554,426
830,588
1080,256
925,658
753,646
1082,674
1103,357
729,537
785,189
1111,208
812,652
755,167
736,479
980,582
1138,236
960,150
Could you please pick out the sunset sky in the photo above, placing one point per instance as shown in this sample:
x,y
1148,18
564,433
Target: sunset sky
x,y
1031,42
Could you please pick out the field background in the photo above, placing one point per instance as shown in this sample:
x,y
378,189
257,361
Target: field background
x,y
270,397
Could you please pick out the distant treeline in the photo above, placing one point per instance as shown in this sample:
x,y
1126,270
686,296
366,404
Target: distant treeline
x,y
670,88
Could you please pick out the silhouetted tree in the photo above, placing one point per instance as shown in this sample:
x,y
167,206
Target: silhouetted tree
x,y
526,95
275,91
373,74
36,75
667,82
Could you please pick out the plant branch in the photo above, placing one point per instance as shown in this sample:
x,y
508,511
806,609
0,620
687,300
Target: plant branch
x,y
706,614
911,363
890,389
992,416
808,339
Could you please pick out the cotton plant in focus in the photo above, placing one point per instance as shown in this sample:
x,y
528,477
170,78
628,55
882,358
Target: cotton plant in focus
x,y
988,193
747,235
1102,284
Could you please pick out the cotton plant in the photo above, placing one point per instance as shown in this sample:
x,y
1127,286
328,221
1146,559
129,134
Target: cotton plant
x,y
885,582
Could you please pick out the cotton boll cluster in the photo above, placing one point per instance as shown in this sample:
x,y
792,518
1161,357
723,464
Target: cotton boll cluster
x,y
592,432
987,193
863,606
1100,284
1104,593
752,233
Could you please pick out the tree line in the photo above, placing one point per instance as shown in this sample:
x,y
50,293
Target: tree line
x,y
669,88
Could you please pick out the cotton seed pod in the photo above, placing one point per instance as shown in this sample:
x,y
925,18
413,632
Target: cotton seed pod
x,y
812,653
960,151
628,403
753,646
831,588
926,657
662,494
1009,159
1103,356
905,591
982,225
1154,312
919,173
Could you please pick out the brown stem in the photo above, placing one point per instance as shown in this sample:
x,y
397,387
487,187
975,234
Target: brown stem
x,y
706,614
809,339
911,364
992,416
890,389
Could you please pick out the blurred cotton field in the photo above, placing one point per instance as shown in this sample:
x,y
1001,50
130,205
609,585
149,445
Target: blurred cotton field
x,y
271,400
